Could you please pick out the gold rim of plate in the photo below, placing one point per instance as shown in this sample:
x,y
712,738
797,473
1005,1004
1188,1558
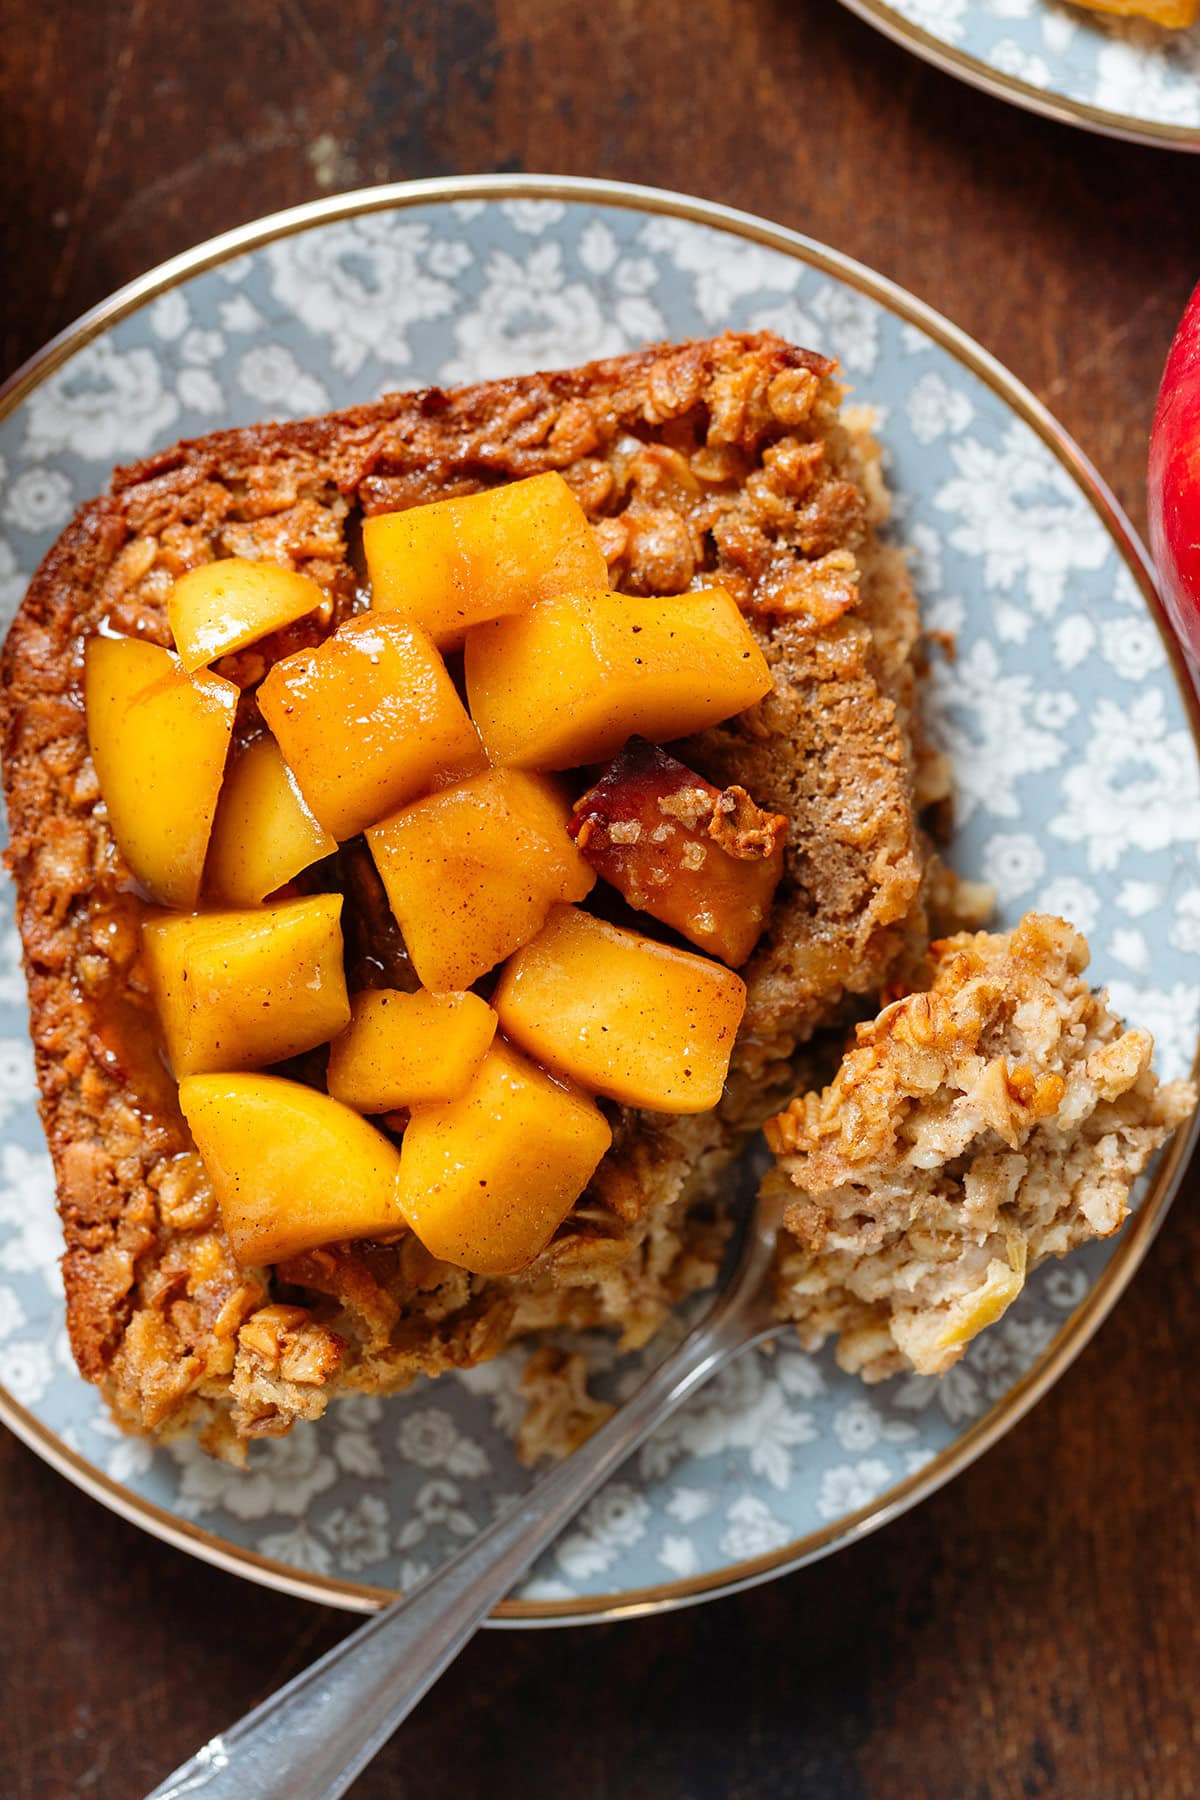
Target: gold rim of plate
x,y
1142,1228
1002,86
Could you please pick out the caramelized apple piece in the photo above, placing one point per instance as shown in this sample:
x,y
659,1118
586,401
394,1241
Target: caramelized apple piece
x,y
567,682
641,1022
472,872
486,1180
408,1049
675,846
290,1167
159,739
264,834
367,721
457,563
224,605
236,990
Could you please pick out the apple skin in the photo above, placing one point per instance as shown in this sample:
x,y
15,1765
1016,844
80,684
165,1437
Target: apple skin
x,y
1174,481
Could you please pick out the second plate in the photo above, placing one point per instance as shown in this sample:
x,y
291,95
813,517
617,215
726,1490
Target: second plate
x,y
1125,78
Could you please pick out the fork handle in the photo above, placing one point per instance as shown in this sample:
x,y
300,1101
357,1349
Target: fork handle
x,y
309,1740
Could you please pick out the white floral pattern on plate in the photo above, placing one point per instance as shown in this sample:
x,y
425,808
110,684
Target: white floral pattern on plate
x,y
1145,77
1054,648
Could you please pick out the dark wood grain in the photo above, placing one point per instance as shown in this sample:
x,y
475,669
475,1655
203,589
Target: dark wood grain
x,y
1033,1630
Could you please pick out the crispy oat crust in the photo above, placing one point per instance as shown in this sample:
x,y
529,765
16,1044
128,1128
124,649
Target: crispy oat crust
x,y
725,459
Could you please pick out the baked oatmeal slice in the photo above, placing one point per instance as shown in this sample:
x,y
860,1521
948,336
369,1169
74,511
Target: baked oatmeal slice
x,y
724,460
997,1118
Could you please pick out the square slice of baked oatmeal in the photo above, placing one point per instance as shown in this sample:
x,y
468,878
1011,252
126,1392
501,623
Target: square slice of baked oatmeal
x,y
729,459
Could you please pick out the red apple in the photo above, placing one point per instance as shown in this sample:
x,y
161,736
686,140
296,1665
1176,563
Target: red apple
x,y
1175,481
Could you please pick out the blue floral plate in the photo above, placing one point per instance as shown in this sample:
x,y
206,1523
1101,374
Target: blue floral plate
x,y
1076,752
1124,77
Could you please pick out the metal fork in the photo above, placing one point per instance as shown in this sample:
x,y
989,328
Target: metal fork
x,y
319,1731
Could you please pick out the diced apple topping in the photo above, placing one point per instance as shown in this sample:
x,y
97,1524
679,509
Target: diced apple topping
x,y
458,563
264,834
158,739
238,990
290,1167
486,1180
403,1050
642,1022
225,605
701,859
482,860
367,721
472,872
569,681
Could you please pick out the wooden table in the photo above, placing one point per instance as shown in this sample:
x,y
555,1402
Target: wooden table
x,y
1033,1629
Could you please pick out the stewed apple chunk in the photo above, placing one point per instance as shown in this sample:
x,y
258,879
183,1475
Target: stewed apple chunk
x,y
408,1049
457,563
237,990
367,721
158,739
290,1167
701,859
224,605
567,682
471,872
264,834
641,1022
486,1180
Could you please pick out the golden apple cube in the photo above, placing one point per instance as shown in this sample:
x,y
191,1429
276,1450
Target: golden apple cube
x,y
291,1168
158,739
408,1049
642,1022
225,605
238,990
471,873
457,563
486,1180
569,681
368,721
264,834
